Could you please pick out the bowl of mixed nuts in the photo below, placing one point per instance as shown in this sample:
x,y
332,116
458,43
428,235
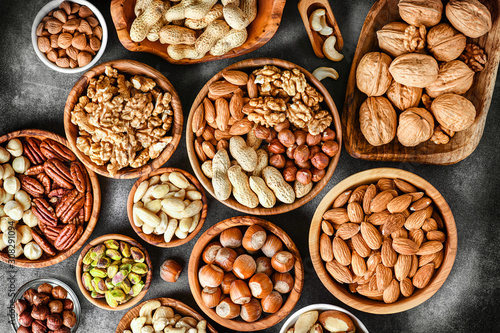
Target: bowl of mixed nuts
x,y
383,240
69,36
264,136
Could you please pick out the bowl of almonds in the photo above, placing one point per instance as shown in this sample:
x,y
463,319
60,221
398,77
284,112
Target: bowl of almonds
x,y
383,240
69,36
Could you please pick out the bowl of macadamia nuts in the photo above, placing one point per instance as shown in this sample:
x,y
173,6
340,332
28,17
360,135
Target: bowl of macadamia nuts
x,y
69,36
263,136
46,304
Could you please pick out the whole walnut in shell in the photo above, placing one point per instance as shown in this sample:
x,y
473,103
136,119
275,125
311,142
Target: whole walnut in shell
x,y
414,70
421,12
470,17
454,112
372,75
403,97
377,120
445,43
454,76
416,125
397,38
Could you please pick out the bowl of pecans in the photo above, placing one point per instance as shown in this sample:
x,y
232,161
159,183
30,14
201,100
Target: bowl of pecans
x,y
383,240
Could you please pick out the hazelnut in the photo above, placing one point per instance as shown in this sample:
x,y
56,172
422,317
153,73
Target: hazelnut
x,y
277,161
45,288
23,329
283,282
226,282
313,140
67,304
304,176
313,151
290,151
211,296
56,307
303,165
263,266
300,137
244,266
272,302
276,147
54,321
231,237
290,173
25,319
328,134
21,305
320,161
40,298
239,292
289,163
29,294
251,311
317,174
59,292
210,252
331,148
282,261
301,154
38,327
170,270
286,137
40,311
210,276
63,329
281,126
271,136
69,318
262,132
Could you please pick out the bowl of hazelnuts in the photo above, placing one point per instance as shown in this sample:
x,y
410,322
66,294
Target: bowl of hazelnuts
x,y
45,305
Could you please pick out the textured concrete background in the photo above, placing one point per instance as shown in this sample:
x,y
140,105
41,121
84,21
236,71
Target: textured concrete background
x,y
33,96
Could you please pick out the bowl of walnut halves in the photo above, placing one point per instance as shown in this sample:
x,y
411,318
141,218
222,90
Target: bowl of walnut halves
x,y
123,119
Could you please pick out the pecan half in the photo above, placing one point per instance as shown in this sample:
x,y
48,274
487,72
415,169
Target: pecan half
x,y
34,170
73,209
81,214
44,212
32,186
78,176
49,231
65,237
58,193
53,149
43,243
45,180
88,206
33,146
59,173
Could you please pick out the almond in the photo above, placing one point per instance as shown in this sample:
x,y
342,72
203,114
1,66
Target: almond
x,y
394,223
379,203
340,273
435,215
436,235
400,233
373,283
84,12
73,63
371,235
52,55
209,133
429,225
198,122
372,294
95,43
252,89
360,245
62,62
373,261
64,40
406,287
325,248
341,251
54,41
347,230
355,212
402,266
84,27
384,276
222,112
385,184
199,151
425,259
336,215
416,220
72,53
208,149
423,276
327,228
238,78
83,59
391,293
416,235
79,42
241,127
416,196
379,218
430,247
209,111
222,135
420,204
414,266
43,44
53,26
370,193
89,50
404,186
74,8
97,32
404,246
399,204
439,259
39,29
358,264
236,105
92,21
71,25
358,194
387,253
220,88
342,199
60,15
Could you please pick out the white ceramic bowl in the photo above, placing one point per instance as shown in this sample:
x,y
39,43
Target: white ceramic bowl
x,y
360,328
53,5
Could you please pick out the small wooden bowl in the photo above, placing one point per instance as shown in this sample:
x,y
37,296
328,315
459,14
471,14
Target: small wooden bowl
x,y
158,240
101,302
267,320
176,305
129,67
260,31
480,94
45,261
362,303
249,65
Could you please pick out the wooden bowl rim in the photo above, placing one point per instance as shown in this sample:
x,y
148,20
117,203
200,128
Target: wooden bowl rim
x,y
96,206
280,208
101,302
178,307
365,304
269,29
123,66
150,238
270,319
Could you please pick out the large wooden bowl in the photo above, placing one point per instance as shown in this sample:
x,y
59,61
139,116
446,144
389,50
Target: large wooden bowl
x,y
176,305
267,320
249,65
45,261
101,302
359,302
463,143
158,240
129,67
260,31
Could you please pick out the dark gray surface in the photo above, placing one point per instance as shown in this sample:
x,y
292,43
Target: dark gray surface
x,y
33,96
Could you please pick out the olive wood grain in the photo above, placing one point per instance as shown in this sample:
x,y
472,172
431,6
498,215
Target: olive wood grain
x,y
176,305
129,67
101,302
306,8
267,320
159,240
249,65
260,31
480,94
45,260
359,302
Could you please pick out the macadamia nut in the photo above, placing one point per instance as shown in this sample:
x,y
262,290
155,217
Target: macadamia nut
x,y
11,185
4,155
11,237
24,199
32,251
25,233
20,164
30,219
14,210
8,171
15,147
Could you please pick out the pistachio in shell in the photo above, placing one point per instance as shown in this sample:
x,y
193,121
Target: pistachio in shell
x,y
134,278
87,281
372,74
113,254
377,120
112,244
98,272
453,112
137,254
125,249
416,125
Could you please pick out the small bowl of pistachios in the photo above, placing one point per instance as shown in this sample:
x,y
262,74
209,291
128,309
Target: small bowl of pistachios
x,y
114,272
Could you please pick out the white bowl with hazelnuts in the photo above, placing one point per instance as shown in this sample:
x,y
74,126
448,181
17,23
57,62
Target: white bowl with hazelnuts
x,y
69,36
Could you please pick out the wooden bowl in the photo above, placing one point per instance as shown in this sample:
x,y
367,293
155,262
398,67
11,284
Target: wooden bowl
x,y
266,320
260,31
101,302
158,240
359,302
176,305
464,142
132,68
45,261
249,65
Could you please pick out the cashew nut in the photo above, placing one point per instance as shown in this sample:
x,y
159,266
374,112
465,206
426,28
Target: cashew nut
x,y
323,72
137,323
318,22
147,311
330,51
